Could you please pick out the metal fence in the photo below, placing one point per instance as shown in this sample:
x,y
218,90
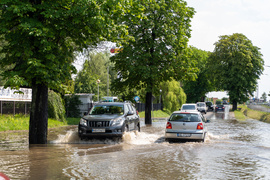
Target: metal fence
x,y
141,107
15,107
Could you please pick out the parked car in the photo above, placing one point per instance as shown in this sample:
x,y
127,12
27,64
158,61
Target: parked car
x,y
186,125
109,119
201,106
189,107
220,107
210,106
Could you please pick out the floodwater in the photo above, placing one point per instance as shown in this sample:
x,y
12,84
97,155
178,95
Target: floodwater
x,y
233,150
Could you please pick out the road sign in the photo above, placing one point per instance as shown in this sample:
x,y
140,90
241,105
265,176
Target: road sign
x,y
136,98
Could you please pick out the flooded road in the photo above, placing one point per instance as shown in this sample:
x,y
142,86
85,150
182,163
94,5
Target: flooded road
x,y
233,150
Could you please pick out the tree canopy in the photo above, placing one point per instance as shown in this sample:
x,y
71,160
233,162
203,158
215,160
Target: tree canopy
x,y
157,53
236,65
41,38
196,89
96,66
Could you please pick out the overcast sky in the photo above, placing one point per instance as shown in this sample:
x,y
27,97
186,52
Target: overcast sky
x,y
214,18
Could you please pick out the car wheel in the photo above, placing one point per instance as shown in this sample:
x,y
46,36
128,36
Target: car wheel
x,y
138,127
202,140
126,129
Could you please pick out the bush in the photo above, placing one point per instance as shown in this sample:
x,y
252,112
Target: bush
x,y
56,108
72,105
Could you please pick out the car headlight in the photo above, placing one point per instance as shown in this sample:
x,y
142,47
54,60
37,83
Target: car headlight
x,y
118,121
83,122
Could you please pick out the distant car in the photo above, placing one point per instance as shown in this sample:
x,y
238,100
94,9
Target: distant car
x,y
186,125
219,107
225,102
210,106
201,106
189,107
110,119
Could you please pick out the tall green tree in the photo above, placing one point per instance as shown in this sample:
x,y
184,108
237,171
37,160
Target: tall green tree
x,y
173,96
157,52
237,65
96,66
196,90
41,37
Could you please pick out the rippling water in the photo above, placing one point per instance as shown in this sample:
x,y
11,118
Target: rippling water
x,y
233,150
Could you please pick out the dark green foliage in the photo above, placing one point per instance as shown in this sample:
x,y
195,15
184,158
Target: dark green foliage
x,y
56,108
196,90
236,65
158,52
72,103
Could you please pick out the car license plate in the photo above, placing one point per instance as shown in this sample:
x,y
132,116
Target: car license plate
x,y
98,130
183,135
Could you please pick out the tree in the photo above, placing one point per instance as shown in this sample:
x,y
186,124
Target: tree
x,y
95,67
41,37
236,65
264,97
196,90
158,52
173,96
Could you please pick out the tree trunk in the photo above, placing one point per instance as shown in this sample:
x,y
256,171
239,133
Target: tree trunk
x,y
38,126
148,108
234,105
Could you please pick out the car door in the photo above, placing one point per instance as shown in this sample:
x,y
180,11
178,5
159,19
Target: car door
x,y
131,118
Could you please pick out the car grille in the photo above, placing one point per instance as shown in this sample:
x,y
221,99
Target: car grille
x,y
98,123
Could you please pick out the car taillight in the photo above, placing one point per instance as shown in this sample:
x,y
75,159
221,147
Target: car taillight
x,y
200,126
169,125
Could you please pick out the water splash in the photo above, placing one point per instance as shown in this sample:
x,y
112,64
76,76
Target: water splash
x,y
140,138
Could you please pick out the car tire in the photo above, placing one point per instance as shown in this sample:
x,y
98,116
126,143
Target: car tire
x,y
138,127
126,129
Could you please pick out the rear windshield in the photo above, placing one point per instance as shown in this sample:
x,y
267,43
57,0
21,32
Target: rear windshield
x,y
188,107
200,104
185,118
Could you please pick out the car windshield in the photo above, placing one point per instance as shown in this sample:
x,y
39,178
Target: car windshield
x,y
188,107
107,109
185,117
200,105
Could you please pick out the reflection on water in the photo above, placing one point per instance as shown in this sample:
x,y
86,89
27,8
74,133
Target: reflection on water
x,y
232,150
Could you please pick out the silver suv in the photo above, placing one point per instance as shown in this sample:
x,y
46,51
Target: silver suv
x,y
110,119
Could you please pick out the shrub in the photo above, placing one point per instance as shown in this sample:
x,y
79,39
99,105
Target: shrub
x,y
72,105
56,108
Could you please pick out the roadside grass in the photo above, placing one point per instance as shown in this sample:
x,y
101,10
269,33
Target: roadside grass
x,y
156,114
239,115
253,114
21,122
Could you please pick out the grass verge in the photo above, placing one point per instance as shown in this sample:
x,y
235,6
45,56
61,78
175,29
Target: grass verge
x,y
21,122
259,115
156,114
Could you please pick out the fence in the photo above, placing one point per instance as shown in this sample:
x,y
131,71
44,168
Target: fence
x,y
141,107
15,107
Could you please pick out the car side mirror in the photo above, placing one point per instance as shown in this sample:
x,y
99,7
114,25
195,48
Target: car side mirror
x,y
130,113
85,113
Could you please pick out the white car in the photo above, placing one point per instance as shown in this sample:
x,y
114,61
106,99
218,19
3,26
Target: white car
x,y
202,107
189,107
186,125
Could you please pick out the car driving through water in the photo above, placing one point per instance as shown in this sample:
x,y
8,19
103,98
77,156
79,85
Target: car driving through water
x,y
186,125
109,119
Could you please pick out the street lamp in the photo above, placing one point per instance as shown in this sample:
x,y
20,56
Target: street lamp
x,y
98,81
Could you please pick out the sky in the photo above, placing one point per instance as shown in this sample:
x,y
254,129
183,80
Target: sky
x,y
214,18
